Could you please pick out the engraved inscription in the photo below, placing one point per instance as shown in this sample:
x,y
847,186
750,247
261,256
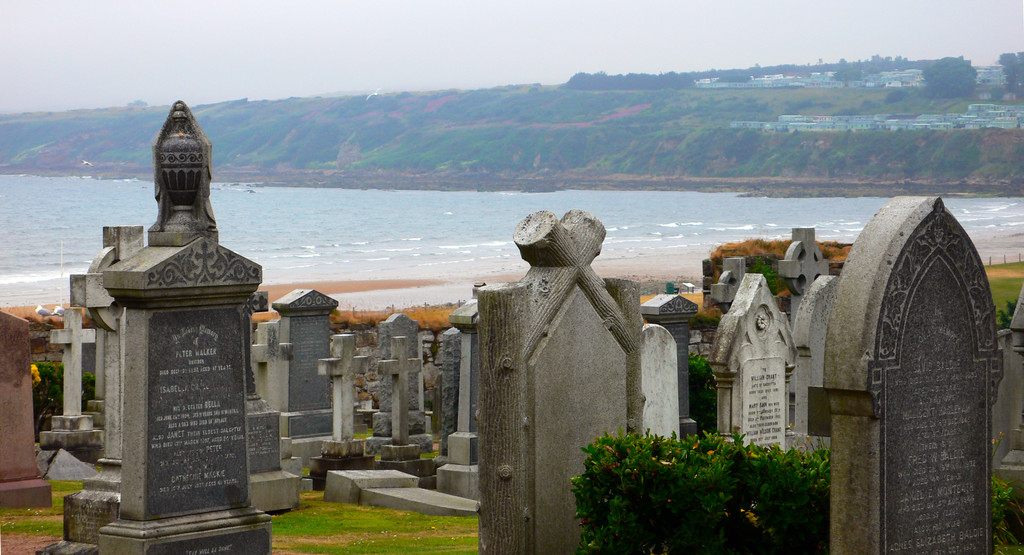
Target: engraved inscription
x,y
310,425
311,341
196,432
764,398
249,541
264,442
934,427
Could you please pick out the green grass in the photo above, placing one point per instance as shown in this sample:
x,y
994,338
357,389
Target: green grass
x,y
46,521
1005,281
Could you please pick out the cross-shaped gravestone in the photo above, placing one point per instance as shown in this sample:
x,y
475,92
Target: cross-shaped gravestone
x,y
399,369
723,292
342,368
270,356
72,337
802,265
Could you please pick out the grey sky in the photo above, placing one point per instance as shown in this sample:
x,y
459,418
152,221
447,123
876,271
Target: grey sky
x,y
58,55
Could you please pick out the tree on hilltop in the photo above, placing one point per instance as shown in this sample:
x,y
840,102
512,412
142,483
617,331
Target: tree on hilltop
x,y
950,78
1013,70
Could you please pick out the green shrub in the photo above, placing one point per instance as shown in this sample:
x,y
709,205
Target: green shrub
x,y
763,266
1006,513
703,395
650,494
1003,317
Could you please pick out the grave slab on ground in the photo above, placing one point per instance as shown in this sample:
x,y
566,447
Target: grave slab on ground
x,y
393,489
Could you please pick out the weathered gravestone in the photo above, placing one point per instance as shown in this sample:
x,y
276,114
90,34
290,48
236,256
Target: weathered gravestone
x,y
673,313
752,358
301,394
659,369
461,475
402,453
723,292
73,431
1007,427
342,451
20,484
911,370
451,361
808,379
270,487
98,503
270,357
400,325
801,266
184,476
559,366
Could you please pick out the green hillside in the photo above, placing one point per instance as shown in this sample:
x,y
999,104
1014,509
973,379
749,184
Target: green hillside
x,y
530,131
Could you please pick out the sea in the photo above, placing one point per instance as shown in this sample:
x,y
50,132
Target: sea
x,y
52,227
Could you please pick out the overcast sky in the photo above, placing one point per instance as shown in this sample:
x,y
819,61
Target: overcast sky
x,y
57,55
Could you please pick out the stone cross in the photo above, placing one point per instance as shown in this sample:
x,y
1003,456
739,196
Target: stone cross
x,y
399,369
723,292
269,356
802,265
342,367
72,337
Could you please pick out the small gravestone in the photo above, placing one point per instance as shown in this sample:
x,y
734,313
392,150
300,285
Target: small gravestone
x,y
659,368
270,357
342,451
301,394
272,489
73,431
400,325
559,366
911,370
723,292
673,313
802,265
184,472
401,454
460,475
808,379
451,358
20,484
752,358
1008,458
98,503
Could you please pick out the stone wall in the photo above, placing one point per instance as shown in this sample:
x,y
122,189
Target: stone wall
x,y
42,349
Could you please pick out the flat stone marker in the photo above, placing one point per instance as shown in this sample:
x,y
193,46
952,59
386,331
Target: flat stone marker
x,y
802,265
659,367
911,370
20,484
184,479
752,358
559,366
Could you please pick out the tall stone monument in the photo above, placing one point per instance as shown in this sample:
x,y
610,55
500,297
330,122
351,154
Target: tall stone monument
x,y
185,471
559,366
752,358
301,394
461,475
72,430
451,365
723,292
673,313
911,370
801,266
808,379
20,484
400,325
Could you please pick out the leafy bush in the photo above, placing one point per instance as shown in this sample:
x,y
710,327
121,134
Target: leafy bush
x,y
1003,317
703,395
650,494
764,267
1006,513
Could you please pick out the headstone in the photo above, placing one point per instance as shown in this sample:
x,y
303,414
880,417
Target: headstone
x,y
401,454
808,379
302,395
99,501
559,366
451,359
342,451
659,369
673,313
271,488
185,465
461,475
1008,459
723,292
400,325
270,357
73,431
752,358
20,484
911,370
802,265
